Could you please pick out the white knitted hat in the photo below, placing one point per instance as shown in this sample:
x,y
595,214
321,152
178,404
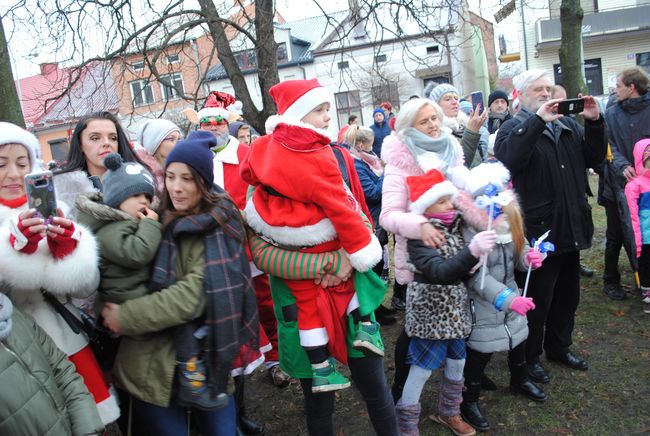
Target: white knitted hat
x,y
13,134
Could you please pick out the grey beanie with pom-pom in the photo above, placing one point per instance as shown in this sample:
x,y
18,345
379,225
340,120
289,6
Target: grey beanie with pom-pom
x,y
123,180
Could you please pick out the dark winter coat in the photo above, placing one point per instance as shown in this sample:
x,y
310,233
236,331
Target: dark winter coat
x,y
548,174
40,389
381,131
372,185
437,306
494,123
627,121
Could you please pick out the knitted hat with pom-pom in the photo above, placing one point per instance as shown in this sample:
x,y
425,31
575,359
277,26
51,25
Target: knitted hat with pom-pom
x,y
123,180
195,152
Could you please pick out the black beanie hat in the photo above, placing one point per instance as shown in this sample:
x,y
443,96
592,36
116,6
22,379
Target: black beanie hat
x,y
495,95
123,180
195,152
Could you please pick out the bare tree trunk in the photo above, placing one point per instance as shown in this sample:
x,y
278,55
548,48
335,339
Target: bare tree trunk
x,y
10,106
266,58
571,60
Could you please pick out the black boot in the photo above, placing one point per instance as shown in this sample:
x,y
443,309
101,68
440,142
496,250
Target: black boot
x,y
245,425
469,408
522,384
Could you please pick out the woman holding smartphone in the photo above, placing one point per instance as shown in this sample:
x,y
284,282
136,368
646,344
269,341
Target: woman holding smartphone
x,y
203,277
94,137
53,254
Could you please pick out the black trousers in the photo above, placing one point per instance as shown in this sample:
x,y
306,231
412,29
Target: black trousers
x,y
368,376
613,244
476,362
555,289
644,266
401,367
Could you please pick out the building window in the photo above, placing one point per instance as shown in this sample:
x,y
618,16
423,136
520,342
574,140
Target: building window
x,y
59,149
173,59
643,60
343,65
386,91
141,92
282,55
137,66
348,103
171,86
380,58
433,49
443,78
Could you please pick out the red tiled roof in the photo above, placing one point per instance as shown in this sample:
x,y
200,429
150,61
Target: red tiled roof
x,y
35,91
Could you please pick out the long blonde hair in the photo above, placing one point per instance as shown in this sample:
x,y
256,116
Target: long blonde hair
x,y
516,222
355,133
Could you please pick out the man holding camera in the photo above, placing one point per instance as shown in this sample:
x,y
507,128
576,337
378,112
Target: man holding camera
x,y
547,155
628,121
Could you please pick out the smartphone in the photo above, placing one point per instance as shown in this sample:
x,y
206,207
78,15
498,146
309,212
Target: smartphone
x,y
571,106
40,193
477,99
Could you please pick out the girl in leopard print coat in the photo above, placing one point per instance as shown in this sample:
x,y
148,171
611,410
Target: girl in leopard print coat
x,y
437,310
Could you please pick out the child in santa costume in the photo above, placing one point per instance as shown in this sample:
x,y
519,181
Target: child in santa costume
x,y
437,307
302,203
58,257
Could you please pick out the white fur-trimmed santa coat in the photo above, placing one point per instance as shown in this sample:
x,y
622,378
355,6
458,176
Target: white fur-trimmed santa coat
x,y
23,275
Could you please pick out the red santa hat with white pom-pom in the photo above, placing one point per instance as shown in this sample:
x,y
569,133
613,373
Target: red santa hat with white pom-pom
x,y
428,188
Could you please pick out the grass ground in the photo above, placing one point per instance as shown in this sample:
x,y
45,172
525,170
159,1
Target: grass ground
x,y
611,398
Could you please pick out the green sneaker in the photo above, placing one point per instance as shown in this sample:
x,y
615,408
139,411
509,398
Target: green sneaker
x,y
368,339
328,379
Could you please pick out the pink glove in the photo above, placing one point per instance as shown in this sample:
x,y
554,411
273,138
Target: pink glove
x,y
521,305
482,243
534,258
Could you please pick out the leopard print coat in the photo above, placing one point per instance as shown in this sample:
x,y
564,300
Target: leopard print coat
x,y
437,305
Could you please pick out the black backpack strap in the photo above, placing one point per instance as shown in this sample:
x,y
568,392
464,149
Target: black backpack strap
x,y
342,165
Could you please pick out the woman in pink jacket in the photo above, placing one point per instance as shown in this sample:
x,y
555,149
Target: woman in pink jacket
x,y
637,192
417,145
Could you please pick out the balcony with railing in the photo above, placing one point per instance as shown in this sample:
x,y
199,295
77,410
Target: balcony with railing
x,y
605,23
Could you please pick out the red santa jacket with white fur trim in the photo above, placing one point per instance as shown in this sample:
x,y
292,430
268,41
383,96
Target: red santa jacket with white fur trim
x,y
301,200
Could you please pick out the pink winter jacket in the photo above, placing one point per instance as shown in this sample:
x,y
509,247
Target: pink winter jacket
x,y
637,193
395,216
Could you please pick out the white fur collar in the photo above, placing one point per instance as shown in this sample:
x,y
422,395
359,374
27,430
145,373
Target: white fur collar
x,y
229,153
273,121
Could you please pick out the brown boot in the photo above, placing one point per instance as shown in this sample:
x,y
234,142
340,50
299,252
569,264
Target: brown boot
x,y
455,423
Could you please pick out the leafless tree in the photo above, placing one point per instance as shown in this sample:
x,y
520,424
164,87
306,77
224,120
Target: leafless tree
x,y
74,29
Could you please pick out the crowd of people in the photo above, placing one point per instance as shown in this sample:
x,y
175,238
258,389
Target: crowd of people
x,y
172,270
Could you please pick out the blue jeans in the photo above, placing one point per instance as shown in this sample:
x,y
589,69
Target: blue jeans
x,y
172,420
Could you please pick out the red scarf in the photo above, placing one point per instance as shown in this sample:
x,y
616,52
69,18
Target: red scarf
x,y
15,203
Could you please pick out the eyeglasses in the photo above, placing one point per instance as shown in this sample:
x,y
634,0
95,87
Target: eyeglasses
x,y
213,121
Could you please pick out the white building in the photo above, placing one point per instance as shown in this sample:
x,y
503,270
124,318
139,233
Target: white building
x,y
363,63
616,35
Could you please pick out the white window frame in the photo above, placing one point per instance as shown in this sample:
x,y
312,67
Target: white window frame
x,y
137,66
178,58
144,84
175,95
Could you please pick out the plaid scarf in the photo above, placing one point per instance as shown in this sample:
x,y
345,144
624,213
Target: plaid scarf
x,y
231,313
